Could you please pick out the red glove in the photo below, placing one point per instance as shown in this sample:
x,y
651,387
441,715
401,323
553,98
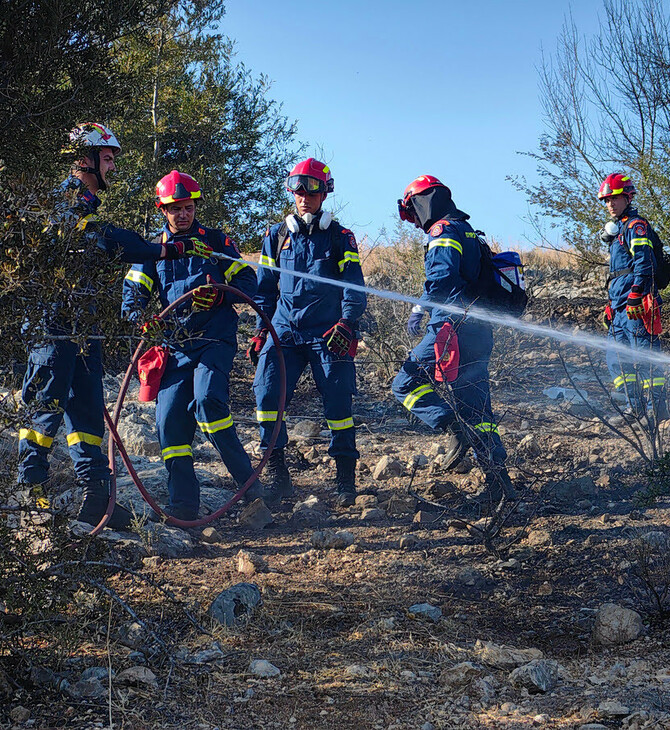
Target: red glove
x,y
256,344
340,339
634,305
153,328
207,297
188,247
607,317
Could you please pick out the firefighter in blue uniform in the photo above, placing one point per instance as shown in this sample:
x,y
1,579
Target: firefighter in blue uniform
x,y
452,264
194,387
633,315
63,380
316,324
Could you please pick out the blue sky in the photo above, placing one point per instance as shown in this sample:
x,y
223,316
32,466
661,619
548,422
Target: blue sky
x,y
386,91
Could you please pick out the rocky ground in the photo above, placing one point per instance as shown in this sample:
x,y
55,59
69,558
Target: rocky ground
x,y
380,616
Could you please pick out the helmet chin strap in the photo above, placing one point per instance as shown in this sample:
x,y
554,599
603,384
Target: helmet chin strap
x,y
324,217
94,154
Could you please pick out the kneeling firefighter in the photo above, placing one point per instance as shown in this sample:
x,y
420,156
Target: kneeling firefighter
x,y
460,345
194,386
316,324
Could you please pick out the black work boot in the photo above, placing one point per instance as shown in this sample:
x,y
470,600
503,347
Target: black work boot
x,y
345,480
179,513
255,491
279,480
94,506
455,447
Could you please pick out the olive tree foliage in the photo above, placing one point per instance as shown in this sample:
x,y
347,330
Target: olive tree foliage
x,y
195,110
605,98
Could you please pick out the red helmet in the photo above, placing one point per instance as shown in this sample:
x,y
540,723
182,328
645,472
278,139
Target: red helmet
x,y
311,176
176,186
420,185
616,184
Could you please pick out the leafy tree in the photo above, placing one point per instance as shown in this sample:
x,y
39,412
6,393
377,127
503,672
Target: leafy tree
x,y
606,109
195,110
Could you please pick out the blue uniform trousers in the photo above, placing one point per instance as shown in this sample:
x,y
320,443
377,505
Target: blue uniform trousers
x,y
470,400
643,383
335,379
62,383
194,390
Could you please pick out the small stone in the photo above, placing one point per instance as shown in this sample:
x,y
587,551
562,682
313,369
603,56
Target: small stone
x,y
399,506
542,719
539,675
655,539
434,449
612,708
504,657
249,563
211,536
235,604
136,675
19,714
434,613
88,689
545,589
152,562
263,669
312,502
428,726
256,515
373,514
408,541
425,518
365,501
537,538
387,467
329,540
96,673
616,625
358,670
461,674
306,430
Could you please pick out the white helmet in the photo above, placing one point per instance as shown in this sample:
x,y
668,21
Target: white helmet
x,y
93,134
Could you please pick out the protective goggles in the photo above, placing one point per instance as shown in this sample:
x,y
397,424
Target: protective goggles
x,y
406,211
296,183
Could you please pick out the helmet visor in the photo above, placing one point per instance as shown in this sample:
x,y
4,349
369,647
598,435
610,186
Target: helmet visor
x,y
296,183
406,212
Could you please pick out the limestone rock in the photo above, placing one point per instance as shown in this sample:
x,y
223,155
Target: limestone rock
x,y
537,538
88,689
504,657
616,625
306,430
263,669
366,501
136,675
373,514
20,714
330,540
398,506
539,675
235,604
612,708
139,438
256,515
249,563
387,468
434,613
358,671
408,541
211,536
461,674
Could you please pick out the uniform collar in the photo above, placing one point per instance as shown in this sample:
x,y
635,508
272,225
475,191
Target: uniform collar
x,y
83,193
192,231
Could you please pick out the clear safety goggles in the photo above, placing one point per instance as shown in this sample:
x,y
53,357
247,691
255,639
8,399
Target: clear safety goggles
x,y
309,184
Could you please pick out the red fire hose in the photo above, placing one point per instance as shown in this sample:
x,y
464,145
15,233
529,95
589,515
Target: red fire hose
x,y
115,440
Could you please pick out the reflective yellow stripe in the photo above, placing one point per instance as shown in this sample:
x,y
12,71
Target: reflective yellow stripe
x,y
29,434
214,426
446,242
140,278
79,437
653,383
267,416
640,242
486,427
233,269
349,256
629,378
171,451
341,425
414,395
267,261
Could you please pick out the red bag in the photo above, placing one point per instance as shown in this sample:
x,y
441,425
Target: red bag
x,y
652,315
150,368
447,354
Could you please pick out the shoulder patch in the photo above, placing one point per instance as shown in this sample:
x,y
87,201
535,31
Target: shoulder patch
x,y
640,230
201,231
436,229
229,242
350,238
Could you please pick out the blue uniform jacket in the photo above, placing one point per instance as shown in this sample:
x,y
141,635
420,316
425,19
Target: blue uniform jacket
x,y
631,249
171,279
452,264
302,310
